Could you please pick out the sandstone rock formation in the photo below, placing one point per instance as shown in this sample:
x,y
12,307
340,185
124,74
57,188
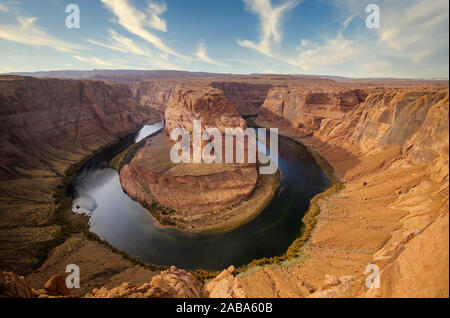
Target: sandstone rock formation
x,y
247,97
152,178
44,121
305,110
388,142
46,126
154,93
194,196
225,285
207,104
391,150
14,286
173,283
99,267
333,287
56,286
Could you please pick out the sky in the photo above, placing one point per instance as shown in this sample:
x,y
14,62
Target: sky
x,y
316,37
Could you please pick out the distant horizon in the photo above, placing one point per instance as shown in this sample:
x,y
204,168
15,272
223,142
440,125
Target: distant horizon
x,y
326,76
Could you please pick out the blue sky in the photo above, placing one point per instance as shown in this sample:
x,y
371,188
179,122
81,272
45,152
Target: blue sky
x,y
320,37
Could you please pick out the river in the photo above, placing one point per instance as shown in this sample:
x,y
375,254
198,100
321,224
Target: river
x,y
125,224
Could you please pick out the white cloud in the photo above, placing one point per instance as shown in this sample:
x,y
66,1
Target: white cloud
x,y
411,42
155,21
414,33
122,44
3,8
27,32
332,52
271,19
417,30
137,22
202,55
95,61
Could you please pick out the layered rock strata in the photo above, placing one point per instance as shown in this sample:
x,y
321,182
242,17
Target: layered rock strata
x,y
207,104
196,196
154,93
391,150
46,126
45,121
172,283
247,97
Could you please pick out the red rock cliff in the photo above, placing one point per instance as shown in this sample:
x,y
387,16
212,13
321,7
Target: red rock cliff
x,y
247,97
190,189
154,93
390,146
42,118
207,104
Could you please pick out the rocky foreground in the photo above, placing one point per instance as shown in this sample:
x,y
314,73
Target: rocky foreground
x,y
388,143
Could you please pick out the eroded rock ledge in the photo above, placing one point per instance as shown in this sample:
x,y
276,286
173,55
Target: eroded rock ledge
x,y
391,150
47,125
196,196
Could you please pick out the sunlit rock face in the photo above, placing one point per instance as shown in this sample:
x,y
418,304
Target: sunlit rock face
x,y
190,188
172,283
306,109
207,104
152,178
390,145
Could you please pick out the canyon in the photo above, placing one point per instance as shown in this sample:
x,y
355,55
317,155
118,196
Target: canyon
x,y
386,141
196,196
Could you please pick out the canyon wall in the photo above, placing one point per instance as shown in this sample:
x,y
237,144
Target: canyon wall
x,y
366,121
46,126
390,147
43,121
247,97
154,93
207,104
172,190
305,109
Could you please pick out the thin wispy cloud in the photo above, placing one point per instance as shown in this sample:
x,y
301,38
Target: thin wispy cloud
x,y
314,56
202,55
421,32
155,10
29,33
138,22
271,20
122,44
97,62
415,45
